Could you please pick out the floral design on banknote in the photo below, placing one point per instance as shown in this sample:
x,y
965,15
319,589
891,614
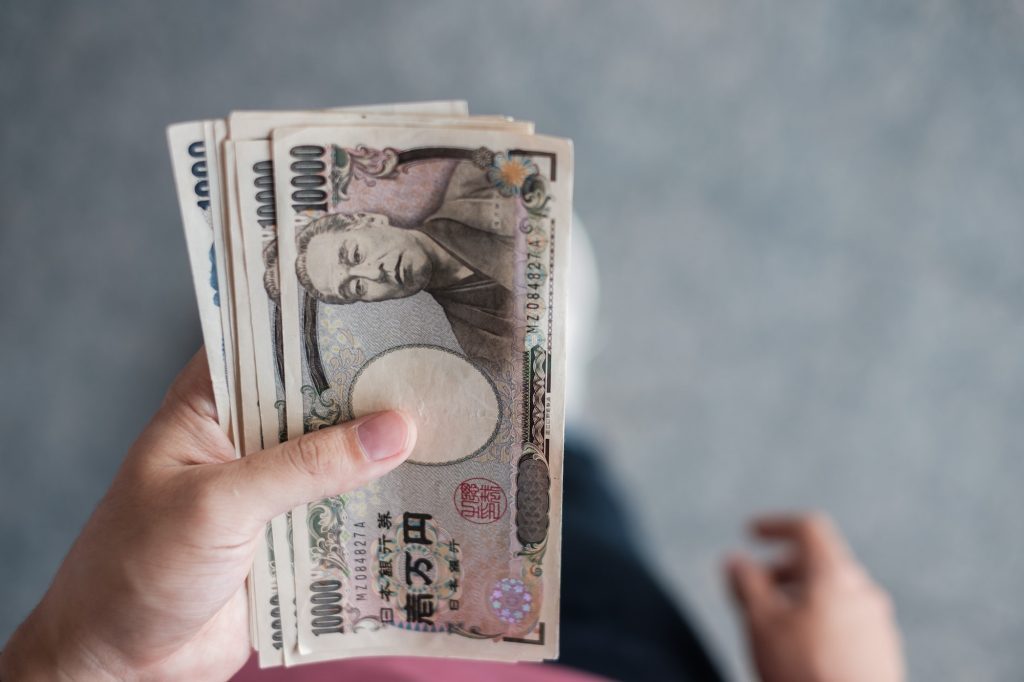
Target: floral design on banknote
x,y
511,600
324,521
361,162
271,561
510,173
322,408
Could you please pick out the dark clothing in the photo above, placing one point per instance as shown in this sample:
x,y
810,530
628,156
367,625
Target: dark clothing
x,y
616,619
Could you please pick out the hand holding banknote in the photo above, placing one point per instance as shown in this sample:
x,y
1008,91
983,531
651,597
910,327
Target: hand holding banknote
x,y
155,585
408,257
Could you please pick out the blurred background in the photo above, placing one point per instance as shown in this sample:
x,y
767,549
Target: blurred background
x,y
807,218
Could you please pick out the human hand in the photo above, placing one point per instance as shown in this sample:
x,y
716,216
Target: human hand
x,y
154,587
815,616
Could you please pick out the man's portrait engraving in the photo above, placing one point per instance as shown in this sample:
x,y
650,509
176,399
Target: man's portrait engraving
x,y
463,255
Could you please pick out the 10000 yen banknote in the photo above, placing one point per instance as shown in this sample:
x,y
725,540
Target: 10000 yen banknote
x,y
191,167
424,269
254,178
252,184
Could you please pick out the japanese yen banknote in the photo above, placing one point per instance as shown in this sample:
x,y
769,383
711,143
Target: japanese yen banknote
x,y
407,256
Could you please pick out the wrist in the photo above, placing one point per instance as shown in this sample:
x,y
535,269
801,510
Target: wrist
x,y
40,650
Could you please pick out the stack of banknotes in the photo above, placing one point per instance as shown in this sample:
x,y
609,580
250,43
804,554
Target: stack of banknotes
x,y
406,256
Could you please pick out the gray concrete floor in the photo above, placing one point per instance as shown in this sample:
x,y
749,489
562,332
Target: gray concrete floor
x,y
808,218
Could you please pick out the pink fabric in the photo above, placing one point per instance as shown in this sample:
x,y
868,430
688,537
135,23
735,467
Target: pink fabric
x,y
393,669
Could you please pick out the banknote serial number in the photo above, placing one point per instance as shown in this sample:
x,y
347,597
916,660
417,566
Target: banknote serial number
x,y
360,559
536,278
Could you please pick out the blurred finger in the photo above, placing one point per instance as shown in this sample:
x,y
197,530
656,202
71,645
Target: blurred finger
x,y
787,572
817,544
752,587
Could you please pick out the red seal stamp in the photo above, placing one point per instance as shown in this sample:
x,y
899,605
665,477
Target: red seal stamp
x,y
480,500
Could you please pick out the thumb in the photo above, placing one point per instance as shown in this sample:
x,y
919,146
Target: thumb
x,y
321,463
752,587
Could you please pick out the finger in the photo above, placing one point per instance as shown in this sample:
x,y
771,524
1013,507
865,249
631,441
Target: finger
x,y
752,587
193,389
318,464
817,544
786,571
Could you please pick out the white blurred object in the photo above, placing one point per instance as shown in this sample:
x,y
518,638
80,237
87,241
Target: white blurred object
x,y
581,321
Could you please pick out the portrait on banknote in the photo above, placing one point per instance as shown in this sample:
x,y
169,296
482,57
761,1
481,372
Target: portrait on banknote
x,y
462,255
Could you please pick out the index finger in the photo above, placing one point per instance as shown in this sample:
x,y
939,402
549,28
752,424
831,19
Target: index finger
x,y
193,387
819,545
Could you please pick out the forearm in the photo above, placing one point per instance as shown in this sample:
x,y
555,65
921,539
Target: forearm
x,y
41,650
